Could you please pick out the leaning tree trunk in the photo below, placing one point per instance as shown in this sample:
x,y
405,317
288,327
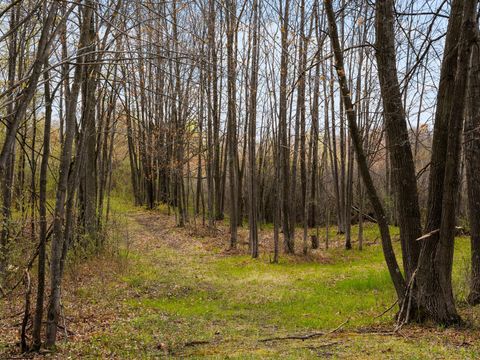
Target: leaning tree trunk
x,y
28,92
403,167
388,252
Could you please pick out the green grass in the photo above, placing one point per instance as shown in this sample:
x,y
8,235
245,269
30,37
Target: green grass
x,y
171,297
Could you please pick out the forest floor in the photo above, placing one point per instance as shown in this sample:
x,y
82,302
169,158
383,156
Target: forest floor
x,y
177,293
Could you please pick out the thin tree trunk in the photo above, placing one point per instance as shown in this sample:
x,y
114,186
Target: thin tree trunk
x,y
6,178
232,122
58,233
42,203
253,201
284,154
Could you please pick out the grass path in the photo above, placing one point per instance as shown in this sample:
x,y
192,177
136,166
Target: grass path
x,y
174,294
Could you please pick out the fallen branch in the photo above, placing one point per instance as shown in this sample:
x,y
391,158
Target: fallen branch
x,y
196,342
372,219
67,331
408,296
63,328
12,316
387,310
428,235
295,337
378,332
307,336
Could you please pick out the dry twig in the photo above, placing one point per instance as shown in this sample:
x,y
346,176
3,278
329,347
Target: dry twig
x,y
307,336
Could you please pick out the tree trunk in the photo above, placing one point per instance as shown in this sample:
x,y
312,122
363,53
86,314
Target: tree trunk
x,y
42,204
232,121
403,167
29,91
59,213
284,154
472,162
6,178
252,128
388,252
435,297
89,172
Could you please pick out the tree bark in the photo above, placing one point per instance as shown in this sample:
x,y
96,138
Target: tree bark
x,y
403,167
58,219
392,264
252,128
472,164
434,297
284,153
42,204
232,121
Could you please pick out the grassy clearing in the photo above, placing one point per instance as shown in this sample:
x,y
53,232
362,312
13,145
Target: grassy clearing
x,y
187,301
170,295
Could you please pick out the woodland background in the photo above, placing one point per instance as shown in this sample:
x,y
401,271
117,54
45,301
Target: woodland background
x,y
325,138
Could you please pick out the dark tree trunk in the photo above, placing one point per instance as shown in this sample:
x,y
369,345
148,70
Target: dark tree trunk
x,y
6,174
89,175
232,122
472,162
284,153
435,296
29,91
42,204
388,252
403,167
58,240
314,137
252,127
